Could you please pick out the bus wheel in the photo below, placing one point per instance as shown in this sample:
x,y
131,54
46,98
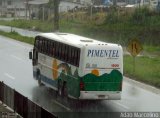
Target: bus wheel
x,y
39,79
65,92
60,88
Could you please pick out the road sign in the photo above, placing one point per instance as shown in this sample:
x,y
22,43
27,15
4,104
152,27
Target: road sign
x,y
134,47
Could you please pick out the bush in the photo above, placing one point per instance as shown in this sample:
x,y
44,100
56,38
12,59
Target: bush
x,y
112,16
140,15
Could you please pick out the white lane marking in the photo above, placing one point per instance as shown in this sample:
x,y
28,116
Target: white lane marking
x,y
121,105
18,58
62,105
9,76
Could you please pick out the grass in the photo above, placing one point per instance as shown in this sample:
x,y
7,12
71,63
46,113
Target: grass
x,y
151,49
16,36
117,32
29,24
146,69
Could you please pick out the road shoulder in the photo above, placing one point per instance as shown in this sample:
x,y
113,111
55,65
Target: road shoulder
x,y
142,85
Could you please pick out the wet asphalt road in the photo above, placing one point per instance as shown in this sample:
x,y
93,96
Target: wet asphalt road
x,y
16,71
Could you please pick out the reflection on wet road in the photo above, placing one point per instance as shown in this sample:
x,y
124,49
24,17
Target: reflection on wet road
x,y
16,71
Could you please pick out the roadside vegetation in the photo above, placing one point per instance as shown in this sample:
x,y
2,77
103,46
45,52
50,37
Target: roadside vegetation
x,y
16,36
147,69
114,26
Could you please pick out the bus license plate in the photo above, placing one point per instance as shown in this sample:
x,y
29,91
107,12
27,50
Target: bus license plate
x,y
101,96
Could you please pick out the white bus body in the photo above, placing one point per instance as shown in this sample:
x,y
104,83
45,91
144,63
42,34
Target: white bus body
x,y
78,67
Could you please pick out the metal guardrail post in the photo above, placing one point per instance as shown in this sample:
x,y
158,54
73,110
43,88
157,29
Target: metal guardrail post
x,y
21,104
47,114
8,96
25,107
2,92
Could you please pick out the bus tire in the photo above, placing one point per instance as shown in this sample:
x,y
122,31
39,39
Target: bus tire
x,y
60,88
65,92
39,78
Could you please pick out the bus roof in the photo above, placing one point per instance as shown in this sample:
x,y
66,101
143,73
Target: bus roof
x,y
72,39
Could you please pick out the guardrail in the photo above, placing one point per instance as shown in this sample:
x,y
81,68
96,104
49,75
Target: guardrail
x,y
21,104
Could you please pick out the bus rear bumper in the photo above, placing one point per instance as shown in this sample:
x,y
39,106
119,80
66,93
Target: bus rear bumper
x,y
96,95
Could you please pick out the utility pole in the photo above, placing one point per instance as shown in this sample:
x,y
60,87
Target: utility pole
x,y
56,15
26,9
43,13
91,14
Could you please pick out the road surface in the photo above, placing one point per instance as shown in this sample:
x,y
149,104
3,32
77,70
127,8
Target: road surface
x,y
16,71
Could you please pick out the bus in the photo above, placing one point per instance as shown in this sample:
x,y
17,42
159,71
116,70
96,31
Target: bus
x,y
78,67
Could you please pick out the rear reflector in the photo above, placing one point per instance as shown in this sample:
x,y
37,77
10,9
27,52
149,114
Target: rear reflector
x,y
81,86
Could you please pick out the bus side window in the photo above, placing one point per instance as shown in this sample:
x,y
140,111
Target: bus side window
x,y
43,45
36,42
42,48
73,49
50,48
60,51
57,50
40,45
63,52
53,49
75,56
54,53
78,57
70,55
46,46
66,53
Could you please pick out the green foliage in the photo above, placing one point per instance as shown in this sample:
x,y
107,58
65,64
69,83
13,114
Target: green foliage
x,y
140,16
50,4
112,16
43,13
16,36
152,49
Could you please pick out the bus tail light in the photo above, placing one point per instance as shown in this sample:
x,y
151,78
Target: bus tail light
x,y
81,86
